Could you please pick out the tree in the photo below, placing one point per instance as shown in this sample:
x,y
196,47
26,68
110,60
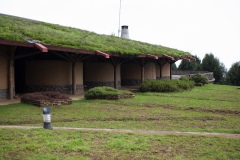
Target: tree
x,y
233,75
174,67
190,66
212,64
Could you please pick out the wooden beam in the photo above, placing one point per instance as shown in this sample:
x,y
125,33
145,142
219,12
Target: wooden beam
x,y
41,47
62,56
16,43
152,56
186,59
83,57
192,58
4,55
102,54
27,54
169,57
69,56
71,50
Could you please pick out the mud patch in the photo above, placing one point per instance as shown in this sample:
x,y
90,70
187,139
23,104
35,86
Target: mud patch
x,y
214,111
212,118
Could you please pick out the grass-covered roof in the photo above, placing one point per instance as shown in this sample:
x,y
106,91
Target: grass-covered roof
x,y
18,29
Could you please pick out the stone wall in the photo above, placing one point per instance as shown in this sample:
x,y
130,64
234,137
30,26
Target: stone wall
x,y
91,84
65,89
131,82
4,94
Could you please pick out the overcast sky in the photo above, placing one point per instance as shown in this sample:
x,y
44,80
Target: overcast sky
x,y
195,26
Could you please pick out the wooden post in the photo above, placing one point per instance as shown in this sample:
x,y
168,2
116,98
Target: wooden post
x,y
115,76
142,72
11,72
74,88
170,69
160,66
10,78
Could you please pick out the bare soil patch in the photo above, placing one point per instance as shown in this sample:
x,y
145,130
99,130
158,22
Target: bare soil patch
x,y
223,135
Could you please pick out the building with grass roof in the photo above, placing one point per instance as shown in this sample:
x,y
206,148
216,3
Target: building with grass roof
x,y
38,56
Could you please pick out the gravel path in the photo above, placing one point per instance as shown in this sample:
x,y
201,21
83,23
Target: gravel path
x,y
223,135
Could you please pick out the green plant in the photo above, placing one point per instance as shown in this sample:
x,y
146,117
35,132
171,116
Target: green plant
x,y
196,110
36,144
184,77
13,28
233,75
107,93
199,79
165,85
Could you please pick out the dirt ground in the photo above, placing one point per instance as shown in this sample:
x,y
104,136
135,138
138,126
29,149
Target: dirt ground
x,y
222,135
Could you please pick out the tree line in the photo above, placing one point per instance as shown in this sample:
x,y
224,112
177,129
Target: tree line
x,y
211,63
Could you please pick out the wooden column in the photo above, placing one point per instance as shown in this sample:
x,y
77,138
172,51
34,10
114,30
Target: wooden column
x,y
142,72
74,87
115,76
171,69
160,66
11,78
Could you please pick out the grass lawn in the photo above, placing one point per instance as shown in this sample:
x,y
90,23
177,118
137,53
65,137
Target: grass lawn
x,y
212,108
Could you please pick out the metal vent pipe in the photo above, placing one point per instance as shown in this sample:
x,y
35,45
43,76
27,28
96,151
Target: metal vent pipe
x,y
124,32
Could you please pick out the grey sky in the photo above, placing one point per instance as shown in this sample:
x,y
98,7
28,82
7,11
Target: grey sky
x,y
196,26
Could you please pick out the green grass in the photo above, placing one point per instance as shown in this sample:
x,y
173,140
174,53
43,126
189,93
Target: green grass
x,y
105,92
12,28
45,144
211,108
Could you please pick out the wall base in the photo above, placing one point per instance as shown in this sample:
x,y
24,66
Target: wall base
x,y
164,77
91,84
4,94
131,82
65,89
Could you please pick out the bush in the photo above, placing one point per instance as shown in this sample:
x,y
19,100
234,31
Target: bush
x,y
165,85
199,79
107,93
184,77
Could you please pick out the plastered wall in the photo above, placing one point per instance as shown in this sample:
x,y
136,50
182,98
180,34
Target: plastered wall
x,y
100,72
39,72
150,71
3,72
165,70
131,71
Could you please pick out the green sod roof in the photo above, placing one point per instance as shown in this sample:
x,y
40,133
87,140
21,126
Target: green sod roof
x,y
20,29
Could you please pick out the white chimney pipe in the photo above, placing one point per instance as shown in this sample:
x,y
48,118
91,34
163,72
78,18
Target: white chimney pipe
x,y
124,32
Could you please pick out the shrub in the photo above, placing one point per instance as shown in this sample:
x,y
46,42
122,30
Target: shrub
x,y
199,78
185,84
107,93
184,77
165,85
